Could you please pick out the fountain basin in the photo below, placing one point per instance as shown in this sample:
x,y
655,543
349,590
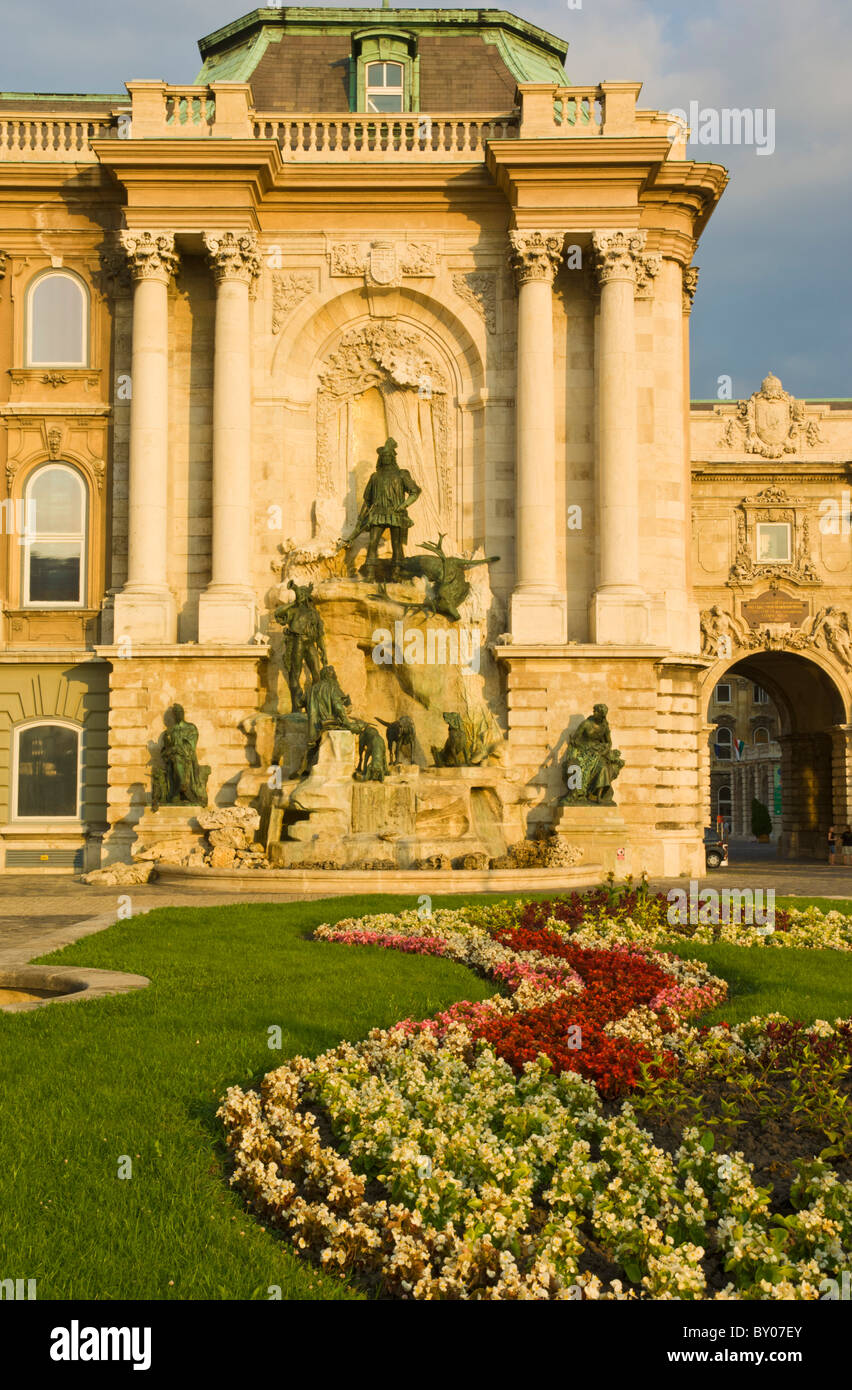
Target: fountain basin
x,y
25,987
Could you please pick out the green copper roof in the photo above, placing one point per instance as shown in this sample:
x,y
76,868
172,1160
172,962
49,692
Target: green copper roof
x,y
232,53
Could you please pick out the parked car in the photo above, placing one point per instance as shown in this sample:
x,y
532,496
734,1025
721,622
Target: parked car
x,y
715,849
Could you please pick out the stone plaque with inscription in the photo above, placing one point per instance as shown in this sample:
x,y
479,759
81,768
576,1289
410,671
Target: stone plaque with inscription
x,y
773,606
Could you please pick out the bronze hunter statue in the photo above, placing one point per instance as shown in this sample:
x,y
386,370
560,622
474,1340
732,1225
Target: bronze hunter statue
x,y
304,640
389,493
591,764
180,781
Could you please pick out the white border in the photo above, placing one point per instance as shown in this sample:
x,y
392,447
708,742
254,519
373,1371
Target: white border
x,y
29,360
16,732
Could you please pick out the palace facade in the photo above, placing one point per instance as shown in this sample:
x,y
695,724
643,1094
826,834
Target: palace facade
x,y
218,299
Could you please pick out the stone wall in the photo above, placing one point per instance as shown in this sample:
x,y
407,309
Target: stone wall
x,y
654,719
218,687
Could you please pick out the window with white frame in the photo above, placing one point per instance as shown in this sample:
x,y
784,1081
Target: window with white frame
x,y
773,541
384,87
46,775
761,734
722,693
54,546
760,695
724,743
724,801
57,327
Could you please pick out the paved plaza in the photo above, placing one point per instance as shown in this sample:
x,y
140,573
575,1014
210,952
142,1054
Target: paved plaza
x,y
40,913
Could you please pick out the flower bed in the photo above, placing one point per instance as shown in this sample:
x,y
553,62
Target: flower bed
x,y
567,1138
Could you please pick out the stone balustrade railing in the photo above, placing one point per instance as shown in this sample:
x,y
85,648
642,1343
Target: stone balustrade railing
x,y
223,110
53,139
324,137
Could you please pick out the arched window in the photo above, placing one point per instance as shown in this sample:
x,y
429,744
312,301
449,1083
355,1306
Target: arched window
x,y
46,783
724,744
761,734
724,801
384,87
57,321
54,542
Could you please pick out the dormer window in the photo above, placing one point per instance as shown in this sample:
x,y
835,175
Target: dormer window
x,y
385,71
384,87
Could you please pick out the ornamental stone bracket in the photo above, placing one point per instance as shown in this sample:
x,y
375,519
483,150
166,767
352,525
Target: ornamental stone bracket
x,y
829,631
150,255
690,285
773,504
771,423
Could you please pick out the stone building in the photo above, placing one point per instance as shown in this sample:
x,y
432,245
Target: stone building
x,y
219,298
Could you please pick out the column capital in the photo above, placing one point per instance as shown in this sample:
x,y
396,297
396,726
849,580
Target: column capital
x,y
535,255
619,255
150,255
233,256
690,285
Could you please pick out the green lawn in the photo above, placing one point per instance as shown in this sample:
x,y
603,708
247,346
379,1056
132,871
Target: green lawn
x,y
140,1075
800,983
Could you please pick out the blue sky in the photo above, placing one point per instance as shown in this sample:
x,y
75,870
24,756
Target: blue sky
x,y
776,269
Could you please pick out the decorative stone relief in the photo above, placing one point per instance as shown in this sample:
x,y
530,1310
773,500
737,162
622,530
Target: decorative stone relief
x,y
647,270
150,255
773,505
386,356
233,256
115,278
535,255
288,291
690,285
479,290
770,423
828,631
2,264
54,443
384,263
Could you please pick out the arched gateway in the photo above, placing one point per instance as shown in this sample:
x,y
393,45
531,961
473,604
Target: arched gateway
x,y
811,788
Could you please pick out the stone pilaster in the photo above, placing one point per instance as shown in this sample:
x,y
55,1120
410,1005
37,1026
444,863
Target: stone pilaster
x,y
620,605
227,609
538,605
145,609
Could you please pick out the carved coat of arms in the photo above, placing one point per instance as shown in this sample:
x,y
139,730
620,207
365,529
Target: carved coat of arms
x,y
382,263
772,421
770,426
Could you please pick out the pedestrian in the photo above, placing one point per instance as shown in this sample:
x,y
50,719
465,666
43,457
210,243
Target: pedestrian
x,y
832,846
846,845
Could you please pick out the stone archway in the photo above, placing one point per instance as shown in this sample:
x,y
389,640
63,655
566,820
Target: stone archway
x,y
816,765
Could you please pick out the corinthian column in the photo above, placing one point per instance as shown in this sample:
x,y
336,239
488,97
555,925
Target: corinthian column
x,y
227,610
145,609
539,605
620,607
